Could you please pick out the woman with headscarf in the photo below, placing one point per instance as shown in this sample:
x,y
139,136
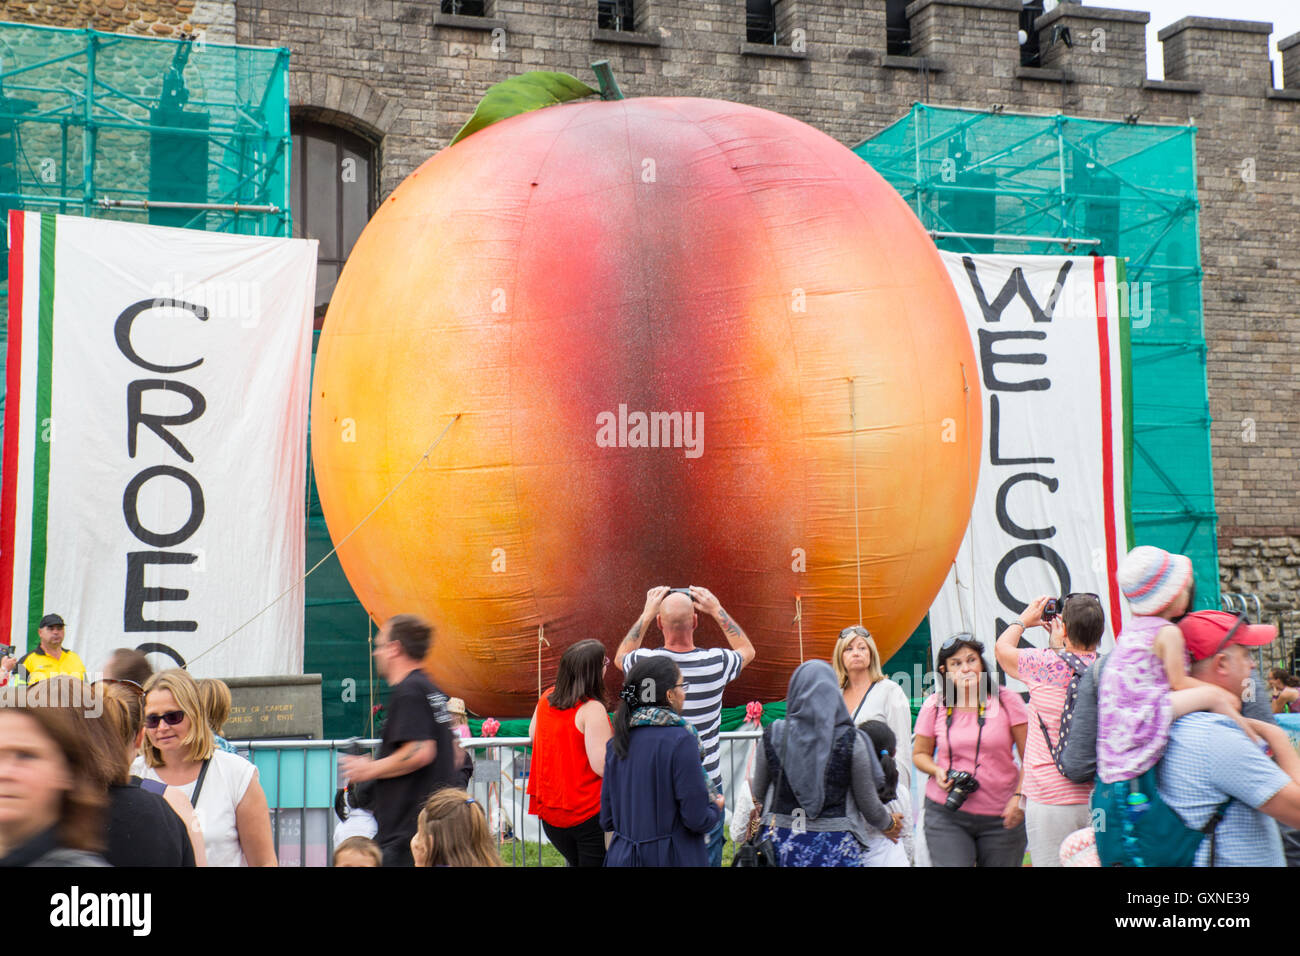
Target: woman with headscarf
x,y
818,779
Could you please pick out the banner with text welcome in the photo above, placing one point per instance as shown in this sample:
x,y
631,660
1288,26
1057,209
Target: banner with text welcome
x,y
155,442
1051,512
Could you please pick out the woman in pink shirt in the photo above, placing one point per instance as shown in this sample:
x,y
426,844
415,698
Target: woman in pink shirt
x,y
964,739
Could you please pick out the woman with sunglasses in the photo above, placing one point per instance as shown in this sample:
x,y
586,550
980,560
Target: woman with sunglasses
x,y
656,798
1055,807
965,738
870,695
223,788
569,730
149,823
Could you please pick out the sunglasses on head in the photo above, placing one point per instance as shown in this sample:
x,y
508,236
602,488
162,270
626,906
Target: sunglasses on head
x,y
172,718
956,639
855,630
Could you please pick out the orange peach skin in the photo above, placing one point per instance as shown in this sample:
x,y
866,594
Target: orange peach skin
x,y
665,254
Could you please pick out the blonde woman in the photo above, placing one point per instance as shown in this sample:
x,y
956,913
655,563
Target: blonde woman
x,y
179,751
870,695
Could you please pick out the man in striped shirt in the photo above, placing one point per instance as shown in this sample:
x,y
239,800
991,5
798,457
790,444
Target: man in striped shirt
x,y
705,671
1054,806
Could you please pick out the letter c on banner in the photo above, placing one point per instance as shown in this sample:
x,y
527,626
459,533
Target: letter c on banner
x,y
122,331
1004,517
156,538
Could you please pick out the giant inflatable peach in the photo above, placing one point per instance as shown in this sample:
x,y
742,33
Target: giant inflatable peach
x,y
688,342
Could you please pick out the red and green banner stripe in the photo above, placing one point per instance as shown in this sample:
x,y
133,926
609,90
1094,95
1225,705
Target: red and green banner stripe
x,y
27,413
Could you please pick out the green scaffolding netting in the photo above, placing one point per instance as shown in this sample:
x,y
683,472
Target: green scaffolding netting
x,y
89,117
995,182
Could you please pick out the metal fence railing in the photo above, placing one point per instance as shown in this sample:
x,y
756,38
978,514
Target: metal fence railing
x,y
301,777
1278,653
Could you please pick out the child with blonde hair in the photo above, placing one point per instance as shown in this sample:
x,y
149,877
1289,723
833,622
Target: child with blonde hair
x,y
214,696
453,831
358,851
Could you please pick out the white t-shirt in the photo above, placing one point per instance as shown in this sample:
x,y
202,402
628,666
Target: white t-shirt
x,y
888,703
225,785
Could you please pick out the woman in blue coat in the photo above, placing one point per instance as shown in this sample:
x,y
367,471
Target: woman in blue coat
x,y
656,796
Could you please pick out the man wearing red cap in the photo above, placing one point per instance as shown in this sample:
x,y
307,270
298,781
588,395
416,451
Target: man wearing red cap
x,y
1209,759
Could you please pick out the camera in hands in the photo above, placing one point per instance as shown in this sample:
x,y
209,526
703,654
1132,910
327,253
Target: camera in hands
x,y
963,785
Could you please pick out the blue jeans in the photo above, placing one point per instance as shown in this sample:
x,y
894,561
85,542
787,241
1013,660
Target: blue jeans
x,y
716,838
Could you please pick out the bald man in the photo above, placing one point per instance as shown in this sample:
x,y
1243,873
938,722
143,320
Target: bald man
x,y
705,671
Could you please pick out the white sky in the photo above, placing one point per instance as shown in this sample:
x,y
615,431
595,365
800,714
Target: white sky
x,y
1283,14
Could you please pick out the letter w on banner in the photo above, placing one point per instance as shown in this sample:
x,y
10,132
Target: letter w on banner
x,y
1051,513
155,441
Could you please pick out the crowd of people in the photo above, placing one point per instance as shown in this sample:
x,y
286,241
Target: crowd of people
x,y
1162,752
126,771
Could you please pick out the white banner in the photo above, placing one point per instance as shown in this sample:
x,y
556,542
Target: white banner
x,y
155,442
1051,504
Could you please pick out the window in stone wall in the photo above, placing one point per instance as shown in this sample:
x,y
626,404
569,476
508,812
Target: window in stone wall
x,y
615,15
466,8
332,196
898,31
760,21
1030,54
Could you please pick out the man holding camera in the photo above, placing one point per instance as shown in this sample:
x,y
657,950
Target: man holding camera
x,y
705,671
1054,807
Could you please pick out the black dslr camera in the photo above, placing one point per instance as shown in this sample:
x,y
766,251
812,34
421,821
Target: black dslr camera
x,y
963,785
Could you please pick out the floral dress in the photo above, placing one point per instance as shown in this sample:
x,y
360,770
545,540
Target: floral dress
x,y
1134,709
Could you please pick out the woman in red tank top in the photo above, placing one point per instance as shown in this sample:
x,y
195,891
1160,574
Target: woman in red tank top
x,y
570,728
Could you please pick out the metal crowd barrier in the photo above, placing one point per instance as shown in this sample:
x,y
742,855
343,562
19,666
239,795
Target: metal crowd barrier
x,y
301,777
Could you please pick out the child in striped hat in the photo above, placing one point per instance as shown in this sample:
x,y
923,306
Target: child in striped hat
x,y
1145,685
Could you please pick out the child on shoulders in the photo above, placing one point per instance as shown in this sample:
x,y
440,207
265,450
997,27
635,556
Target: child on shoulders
x,y
1145,686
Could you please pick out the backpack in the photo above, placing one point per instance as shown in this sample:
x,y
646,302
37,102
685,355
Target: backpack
x,y
1079,751
1067,711
1135,827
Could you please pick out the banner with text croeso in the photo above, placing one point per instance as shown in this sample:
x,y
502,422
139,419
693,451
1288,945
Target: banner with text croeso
x,y
1051,512
155,442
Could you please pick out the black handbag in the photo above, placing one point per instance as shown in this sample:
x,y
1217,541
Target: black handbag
x,y
761,850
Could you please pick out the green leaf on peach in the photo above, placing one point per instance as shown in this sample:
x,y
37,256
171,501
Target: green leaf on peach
x,y
522,94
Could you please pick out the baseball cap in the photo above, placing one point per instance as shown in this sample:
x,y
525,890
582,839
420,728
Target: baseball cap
x,y
456,706
51,620
1207,632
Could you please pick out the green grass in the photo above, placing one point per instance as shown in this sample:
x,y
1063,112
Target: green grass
x,y
517,853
